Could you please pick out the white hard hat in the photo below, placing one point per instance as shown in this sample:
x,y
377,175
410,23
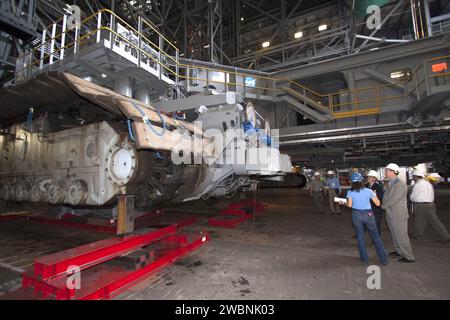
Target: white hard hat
x,y
434,175
317,173
330,172
372,173
393,167
419,172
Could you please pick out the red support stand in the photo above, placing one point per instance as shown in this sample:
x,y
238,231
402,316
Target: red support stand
x,y
238,208
102,270
236,213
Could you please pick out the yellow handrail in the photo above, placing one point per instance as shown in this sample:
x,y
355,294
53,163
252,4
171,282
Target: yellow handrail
x,y
306,91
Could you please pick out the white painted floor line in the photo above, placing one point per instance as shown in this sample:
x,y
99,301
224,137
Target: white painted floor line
x,y
11,267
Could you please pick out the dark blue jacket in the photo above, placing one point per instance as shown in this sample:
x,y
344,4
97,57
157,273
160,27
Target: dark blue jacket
x,y
377,187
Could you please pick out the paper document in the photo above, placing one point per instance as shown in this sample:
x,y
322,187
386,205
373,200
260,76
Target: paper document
x,y
340,200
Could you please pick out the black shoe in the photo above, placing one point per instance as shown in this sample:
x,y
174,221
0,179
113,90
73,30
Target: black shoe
x,y
323,213
394,254
332,213
338,213
405,260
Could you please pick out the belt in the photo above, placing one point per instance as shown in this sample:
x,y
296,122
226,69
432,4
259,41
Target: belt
x,y
423,202
363,211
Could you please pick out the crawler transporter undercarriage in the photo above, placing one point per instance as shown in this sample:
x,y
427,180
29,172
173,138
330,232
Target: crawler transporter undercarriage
x,y
65,140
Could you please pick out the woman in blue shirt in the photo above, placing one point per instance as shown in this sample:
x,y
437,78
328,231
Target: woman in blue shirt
x,y
358,198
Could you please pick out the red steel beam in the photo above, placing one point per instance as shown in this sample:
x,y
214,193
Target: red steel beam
x,y
95,253
106,281
122,284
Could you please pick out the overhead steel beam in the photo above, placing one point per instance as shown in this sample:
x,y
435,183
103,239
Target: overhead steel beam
x,y
385,79
366,135
284,19
386,18
251,5
309,132
389,53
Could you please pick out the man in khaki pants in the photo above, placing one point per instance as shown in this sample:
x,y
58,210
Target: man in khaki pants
x,y
395,204
333,189
422,197
316,192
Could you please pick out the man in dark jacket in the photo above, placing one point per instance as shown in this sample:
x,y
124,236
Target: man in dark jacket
x,y
377,187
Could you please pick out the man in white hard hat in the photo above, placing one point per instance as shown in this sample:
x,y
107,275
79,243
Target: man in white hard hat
x,y
395,204
333,188
424,208
316,192
377,187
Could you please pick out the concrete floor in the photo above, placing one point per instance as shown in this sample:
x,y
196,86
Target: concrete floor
x,y
290,253
285,253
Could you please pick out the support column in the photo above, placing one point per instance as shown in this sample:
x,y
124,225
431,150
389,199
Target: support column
x,y
122,85
142,95
125,214
426,7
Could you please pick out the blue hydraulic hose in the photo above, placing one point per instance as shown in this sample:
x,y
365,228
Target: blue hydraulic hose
x,y
149,123
30,118
130,130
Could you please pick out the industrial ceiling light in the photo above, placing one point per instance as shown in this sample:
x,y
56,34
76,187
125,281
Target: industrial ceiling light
x,y
323,27
298,35
266,44
242,19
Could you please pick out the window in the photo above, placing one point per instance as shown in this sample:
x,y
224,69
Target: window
x,y
403,75
217,76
